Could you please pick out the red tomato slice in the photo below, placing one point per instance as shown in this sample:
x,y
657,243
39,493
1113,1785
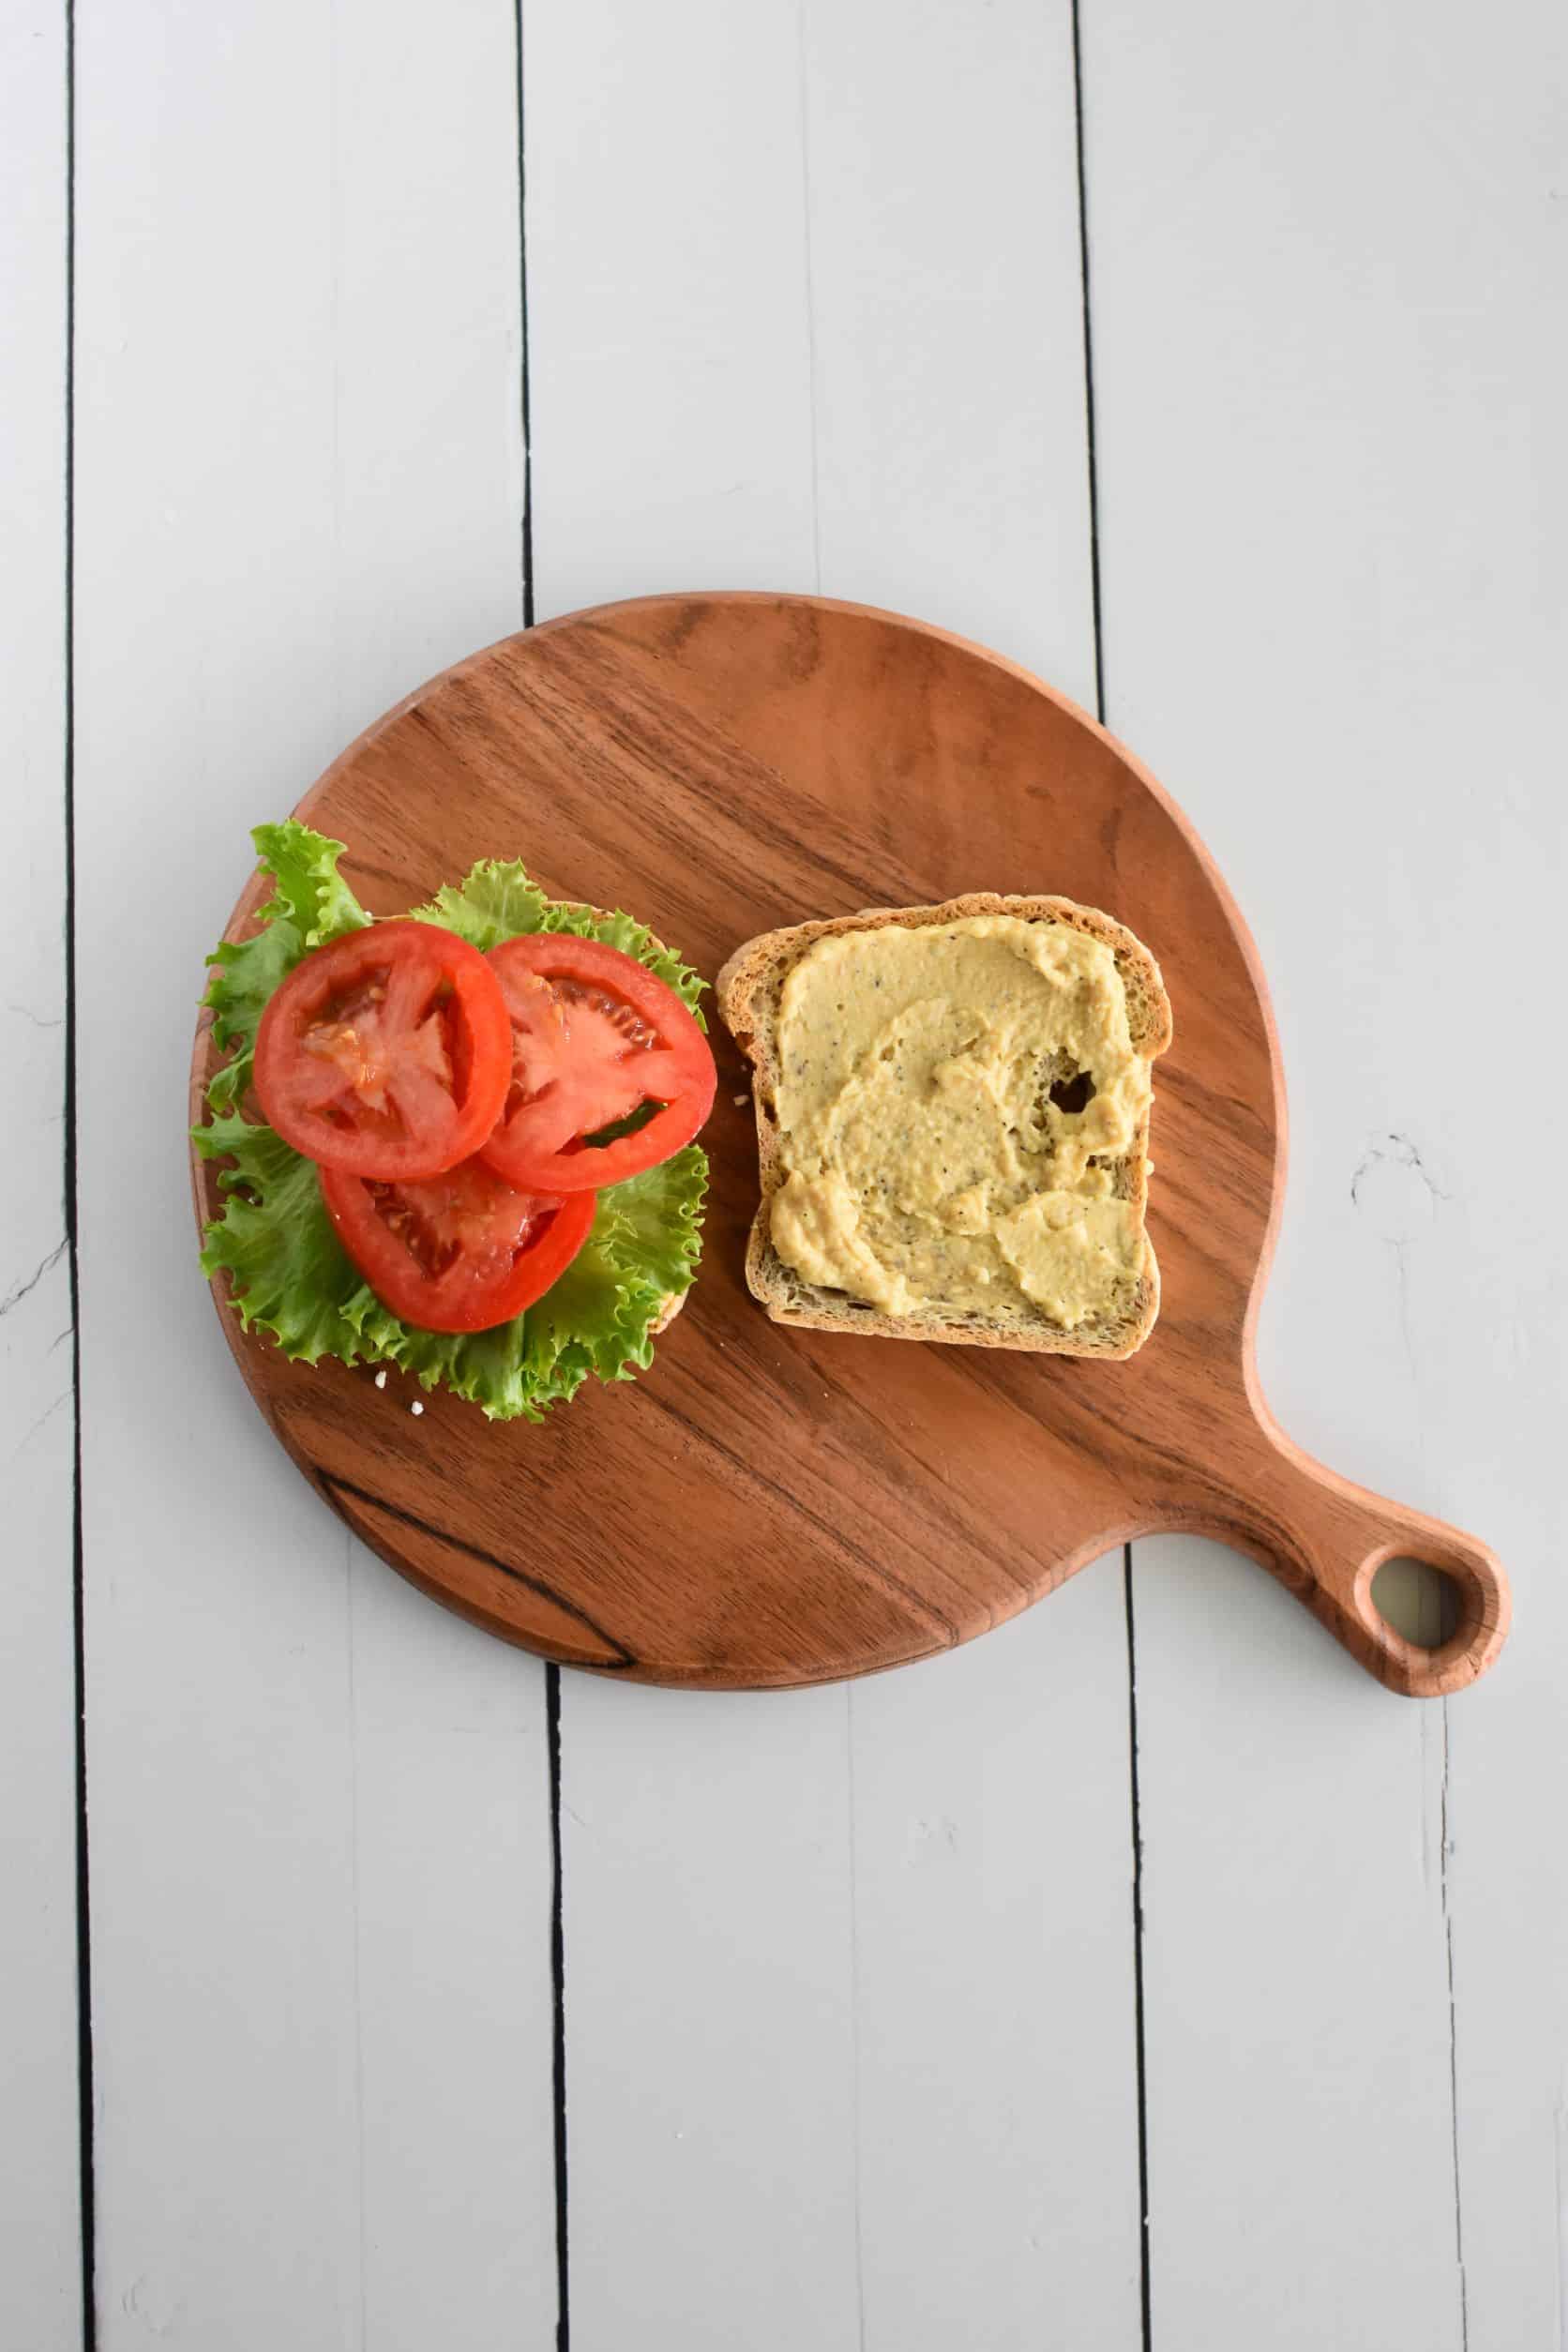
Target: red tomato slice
x,y
387,1052
461,1251
595,1037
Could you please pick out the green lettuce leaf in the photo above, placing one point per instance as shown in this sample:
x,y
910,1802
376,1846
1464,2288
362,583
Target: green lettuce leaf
x,y
498,902
598,1317
290,1275
310,904
275,1241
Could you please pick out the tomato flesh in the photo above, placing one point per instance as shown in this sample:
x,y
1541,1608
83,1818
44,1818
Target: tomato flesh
x,y
459,1251
596,1037
387,1052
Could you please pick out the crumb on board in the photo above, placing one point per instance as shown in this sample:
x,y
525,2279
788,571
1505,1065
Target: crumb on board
x,y
740,1102
380,1376
417,1407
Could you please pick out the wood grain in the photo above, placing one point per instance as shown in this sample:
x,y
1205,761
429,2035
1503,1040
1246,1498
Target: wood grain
x,y
766,1507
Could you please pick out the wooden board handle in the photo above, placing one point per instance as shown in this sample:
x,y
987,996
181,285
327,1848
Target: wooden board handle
x,y
1326,1539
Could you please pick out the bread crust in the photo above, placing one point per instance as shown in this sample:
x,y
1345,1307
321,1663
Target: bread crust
x,y
749,989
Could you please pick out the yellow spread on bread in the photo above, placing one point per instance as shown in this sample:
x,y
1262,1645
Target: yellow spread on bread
x,y
929,1166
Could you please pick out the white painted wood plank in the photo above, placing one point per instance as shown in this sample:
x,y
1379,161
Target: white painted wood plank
x,y
320,1834
452,1988
849,1991
951,458
710,2058
1327,257
668,343
710,2080
41,2277
998,2126
1296,2006
997,2122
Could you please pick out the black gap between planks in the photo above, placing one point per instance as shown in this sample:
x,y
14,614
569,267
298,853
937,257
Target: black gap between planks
x,y
1140,2042
553,1672
68,1185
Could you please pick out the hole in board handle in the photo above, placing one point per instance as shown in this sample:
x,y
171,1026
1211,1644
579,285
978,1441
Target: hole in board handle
x,y
1422,1602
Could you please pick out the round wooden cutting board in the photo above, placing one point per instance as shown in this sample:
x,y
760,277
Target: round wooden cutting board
x,y
767,1506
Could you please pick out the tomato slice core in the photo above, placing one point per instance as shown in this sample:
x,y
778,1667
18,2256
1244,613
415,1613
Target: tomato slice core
x,y
597,1039
387,1052
461,1251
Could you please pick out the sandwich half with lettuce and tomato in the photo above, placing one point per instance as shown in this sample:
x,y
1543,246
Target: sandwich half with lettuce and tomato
x,y
458,1142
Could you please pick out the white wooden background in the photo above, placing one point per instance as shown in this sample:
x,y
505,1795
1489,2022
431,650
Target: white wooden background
x,y
861,2042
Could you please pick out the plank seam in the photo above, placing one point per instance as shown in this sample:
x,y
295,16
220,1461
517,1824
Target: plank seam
x,y
1127,1548
854,2015
810,291
1139,2054
553,1672
1088,373
1453,2052
1139,2035
526,411
558,2008
68,1173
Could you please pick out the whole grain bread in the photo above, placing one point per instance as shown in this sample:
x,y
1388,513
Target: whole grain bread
x,y
750,990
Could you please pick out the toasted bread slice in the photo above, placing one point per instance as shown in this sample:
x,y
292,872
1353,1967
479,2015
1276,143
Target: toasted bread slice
x,y
751,991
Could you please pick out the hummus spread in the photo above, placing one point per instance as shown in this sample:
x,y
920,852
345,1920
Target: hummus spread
x,y
949,1097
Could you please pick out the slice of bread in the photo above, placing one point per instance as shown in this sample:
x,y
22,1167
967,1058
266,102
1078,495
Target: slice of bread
x,y
751,991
